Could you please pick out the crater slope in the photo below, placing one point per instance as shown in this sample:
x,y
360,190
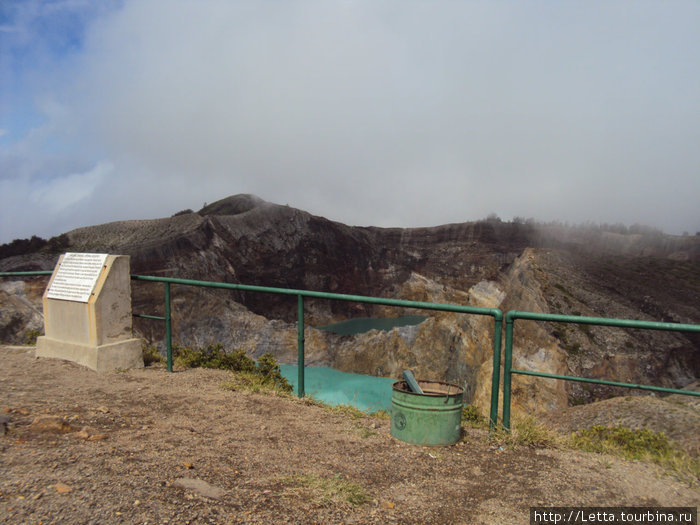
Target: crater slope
x,y
523,266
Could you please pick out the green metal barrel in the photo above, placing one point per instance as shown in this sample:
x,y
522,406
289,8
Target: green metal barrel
x,y
431,418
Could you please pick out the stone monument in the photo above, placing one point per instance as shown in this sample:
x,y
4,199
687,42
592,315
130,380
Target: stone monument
x,y
87,313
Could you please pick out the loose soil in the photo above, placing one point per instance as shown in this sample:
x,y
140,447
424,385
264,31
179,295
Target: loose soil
x,y
179,448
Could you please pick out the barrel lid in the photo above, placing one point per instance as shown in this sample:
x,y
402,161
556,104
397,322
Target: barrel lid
x,y
430,388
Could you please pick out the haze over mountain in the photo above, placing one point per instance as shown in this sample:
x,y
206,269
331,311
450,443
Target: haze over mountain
x,y
514,265
385,113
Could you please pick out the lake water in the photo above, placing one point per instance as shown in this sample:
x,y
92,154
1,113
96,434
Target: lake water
x,y
334,387
360,325
367,393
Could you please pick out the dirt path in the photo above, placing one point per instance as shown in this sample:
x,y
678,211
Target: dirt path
x,y
177,448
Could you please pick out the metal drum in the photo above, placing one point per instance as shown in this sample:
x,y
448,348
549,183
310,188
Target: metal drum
x,y
431,418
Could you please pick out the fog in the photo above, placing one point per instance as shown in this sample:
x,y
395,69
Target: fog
x,y
371,113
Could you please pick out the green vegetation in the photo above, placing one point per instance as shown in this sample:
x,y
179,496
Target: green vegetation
x,y
631,444
255,382
325,491
529,432
263,375
34,244
346,410
212,355
525,432
472,417
150,354
381,414
640,444
30,336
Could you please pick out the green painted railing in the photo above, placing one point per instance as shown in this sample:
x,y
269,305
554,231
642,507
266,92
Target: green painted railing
x,y
26,274
508,371
301,294
510,319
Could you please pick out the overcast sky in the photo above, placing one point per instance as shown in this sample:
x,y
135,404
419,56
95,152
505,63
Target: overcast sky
x,y
387,113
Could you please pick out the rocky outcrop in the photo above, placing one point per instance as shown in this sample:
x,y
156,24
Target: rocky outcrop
x,y
561,282
21,312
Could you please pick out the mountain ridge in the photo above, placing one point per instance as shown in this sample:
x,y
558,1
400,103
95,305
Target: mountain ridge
x,y
549,268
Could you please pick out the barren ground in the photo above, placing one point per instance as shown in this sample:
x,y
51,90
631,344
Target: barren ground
x,y
265,459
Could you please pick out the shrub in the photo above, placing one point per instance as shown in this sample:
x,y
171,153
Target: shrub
x,y
266,373
150,354
642,444
212,356
529,432
30,336
632,444
381,414
22,246
185,357
268,368
58,243
472,417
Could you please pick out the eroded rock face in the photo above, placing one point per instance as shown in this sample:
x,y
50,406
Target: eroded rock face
x,y
21,311
561,282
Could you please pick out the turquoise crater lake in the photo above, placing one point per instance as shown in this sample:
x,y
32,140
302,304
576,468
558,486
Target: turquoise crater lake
x,y
331,386
367,393
361,325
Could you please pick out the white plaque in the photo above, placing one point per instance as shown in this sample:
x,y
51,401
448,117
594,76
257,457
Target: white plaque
x,y
76,276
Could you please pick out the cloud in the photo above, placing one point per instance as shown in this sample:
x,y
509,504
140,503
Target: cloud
x,y
47,206
386,113
58,194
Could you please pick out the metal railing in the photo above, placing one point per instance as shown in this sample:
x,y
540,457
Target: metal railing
x,y
496,313
508,371
26,274
301,294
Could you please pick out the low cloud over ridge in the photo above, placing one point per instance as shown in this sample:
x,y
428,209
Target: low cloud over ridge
x,y
389,113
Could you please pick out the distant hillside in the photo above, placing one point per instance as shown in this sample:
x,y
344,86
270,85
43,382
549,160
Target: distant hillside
x,y
512,265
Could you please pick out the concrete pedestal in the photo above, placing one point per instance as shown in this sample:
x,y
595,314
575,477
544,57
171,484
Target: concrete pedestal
x,y
96,333
103,358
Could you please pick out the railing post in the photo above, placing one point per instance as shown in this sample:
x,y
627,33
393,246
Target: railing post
x,y
507,365
496,374
168,328
300,345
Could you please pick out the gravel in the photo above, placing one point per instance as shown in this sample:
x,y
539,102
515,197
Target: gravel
x,y
145,446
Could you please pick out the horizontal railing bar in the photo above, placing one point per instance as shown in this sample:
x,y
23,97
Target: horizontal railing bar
x,y
602,321
605,382
26,274
493,312
146,316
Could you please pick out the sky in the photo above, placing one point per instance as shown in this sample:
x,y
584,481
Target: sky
x,y
378,112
